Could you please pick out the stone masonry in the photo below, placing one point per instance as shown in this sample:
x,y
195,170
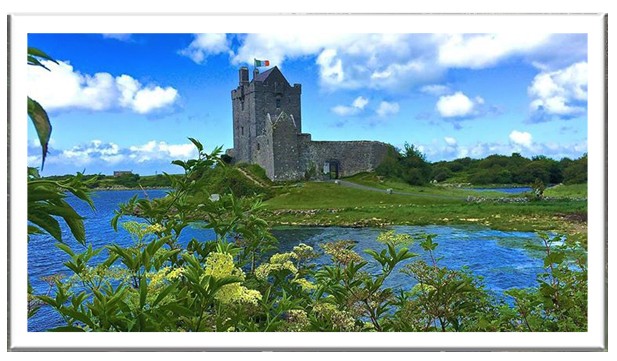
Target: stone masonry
x,y
267,128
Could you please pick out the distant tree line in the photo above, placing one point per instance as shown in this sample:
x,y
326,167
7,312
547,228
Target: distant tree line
x,y
410,165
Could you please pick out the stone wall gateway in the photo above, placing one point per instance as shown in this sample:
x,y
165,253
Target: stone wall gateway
x,y
352,156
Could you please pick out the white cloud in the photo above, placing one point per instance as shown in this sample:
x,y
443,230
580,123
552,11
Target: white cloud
x,y
280,46
521,138
435,89
561,92
85,154
160,150
331,68
360,102
63,87
204,45
100,153
482,50
356,107
517,142
387,108
455,105
348,61
118,36
450,140
392,62
481,150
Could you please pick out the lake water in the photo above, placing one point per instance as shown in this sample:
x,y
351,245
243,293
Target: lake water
x,y
499,257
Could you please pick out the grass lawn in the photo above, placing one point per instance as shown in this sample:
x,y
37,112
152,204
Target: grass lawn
x,y
324,203
570,190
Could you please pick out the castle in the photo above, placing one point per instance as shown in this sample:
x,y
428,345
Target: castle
x,y
267,128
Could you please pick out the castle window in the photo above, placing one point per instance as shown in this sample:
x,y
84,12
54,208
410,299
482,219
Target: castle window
x,y
257,146
278,103
241,130
242,105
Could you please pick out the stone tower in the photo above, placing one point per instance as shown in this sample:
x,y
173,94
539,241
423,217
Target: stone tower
x,y
267,127
268,93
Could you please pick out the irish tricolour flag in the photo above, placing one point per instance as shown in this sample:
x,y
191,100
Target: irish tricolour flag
x,y
262,62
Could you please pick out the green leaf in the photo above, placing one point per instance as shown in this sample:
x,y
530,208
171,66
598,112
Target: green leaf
x,y
34,52
79,316
39,118
34,230
179,310
143,291
164,293
180,163
34,61
66,249
200,147
554,258
46,222
43,193
77,229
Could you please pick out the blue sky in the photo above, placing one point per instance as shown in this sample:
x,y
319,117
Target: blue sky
x,y
129,101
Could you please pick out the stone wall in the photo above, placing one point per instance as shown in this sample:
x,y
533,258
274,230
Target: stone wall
x,y
286,150
263,153
353,156
243,108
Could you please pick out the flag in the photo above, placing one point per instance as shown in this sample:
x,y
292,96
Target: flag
x,y
259,63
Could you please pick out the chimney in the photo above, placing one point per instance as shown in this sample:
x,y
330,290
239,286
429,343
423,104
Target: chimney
x,y
255,73
244,75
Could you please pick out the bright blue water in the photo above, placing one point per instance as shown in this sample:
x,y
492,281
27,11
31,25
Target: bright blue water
x,y
497,256
511,190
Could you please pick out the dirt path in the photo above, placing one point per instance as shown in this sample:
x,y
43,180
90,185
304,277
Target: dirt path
x,y
349,184
251,178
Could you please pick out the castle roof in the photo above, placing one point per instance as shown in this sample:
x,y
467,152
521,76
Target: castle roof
x,y
261,77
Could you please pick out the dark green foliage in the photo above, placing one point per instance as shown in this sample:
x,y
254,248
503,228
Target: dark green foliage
x,y
514,169
409,165
576,171
46,203
127,180
440,173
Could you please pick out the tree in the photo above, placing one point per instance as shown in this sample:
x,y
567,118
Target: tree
x,y
417,170
576,171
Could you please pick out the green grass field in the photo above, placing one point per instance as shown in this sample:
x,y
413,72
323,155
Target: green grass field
x,y
325,203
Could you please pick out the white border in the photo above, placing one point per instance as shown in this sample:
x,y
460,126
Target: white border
x,y
593,25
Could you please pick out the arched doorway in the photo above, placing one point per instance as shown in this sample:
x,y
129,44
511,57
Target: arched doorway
x,y
331,169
